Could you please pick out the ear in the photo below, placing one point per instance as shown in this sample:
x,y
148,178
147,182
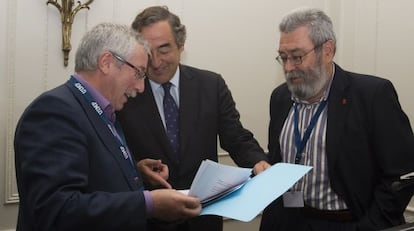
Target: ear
x,y
181,49
105,62
329,48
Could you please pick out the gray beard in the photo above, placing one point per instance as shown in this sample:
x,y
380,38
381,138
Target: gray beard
x,y
314,81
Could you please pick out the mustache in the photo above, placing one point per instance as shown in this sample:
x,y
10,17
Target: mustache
x,y
295,74
131,94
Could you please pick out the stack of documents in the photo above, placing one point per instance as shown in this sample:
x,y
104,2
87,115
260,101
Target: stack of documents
x,y
230,192
214,180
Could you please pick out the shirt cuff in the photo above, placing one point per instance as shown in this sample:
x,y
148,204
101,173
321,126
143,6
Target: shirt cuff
x,y
149,203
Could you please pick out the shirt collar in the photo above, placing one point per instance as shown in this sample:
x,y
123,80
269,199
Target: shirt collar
x,y
175,80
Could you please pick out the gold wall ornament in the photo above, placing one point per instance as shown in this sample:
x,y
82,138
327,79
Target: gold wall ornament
x,y
67,15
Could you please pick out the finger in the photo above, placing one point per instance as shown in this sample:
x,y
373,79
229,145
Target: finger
x,y
158,166
260,167
164,173
191,212
192,208
192,202
161,181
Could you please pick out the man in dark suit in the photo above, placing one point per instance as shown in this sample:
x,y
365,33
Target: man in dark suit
x,y
349,127
206,109
74,170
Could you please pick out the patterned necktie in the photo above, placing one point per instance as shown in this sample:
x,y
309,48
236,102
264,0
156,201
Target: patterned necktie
x,y
171,118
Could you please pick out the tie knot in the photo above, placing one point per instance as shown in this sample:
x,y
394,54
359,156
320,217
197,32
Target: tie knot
x,y
166,86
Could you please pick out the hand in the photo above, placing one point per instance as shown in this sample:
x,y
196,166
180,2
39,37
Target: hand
x,y
154,171
260,167
171,205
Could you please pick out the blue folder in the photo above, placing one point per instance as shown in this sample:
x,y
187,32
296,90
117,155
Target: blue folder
x,y
247,202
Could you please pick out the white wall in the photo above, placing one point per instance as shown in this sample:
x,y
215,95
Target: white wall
x,y
237,38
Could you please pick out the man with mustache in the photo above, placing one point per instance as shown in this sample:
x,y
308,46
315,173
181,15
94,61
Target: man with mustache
x,y
349,127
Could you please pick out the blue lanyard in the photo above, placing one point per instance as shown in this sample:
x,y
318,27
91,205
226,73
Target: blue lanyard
x,y
120,137
300,143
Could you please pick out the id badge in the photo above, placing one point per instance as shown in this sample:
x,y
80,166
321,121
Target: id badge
x,y
293,199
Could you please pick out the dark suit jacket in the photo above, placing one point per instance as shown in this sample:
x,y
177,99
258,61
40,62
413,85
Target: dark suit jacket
x,y
71,174
207,109
370,144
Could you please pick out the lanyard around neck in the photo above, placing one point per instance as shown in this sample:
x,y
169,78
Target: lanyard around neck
x,y
82,89
300,143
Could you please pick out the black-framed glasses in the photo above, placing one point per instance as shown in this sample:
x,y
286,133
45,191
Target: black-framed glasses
x,y
139,74
294,59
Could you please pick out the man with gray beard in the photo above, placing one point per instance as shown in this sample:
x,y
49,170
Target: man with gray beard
x,y
349,127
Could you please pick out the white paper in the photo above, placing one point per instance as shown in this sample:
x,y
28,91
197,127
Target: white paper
x,y
407,176
214,180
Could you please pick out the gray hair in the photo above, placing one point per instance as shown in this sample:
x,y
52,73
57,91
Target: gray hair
x,y
155,14
319,24
116,38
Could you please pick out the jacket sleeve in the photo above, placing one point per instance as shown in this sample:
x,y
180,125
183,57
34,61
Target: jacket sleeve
x,y
234,138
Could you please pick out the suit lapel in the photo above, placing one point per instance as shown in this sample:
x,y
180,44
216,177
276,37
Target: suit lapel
x,y
150,111
189,103
279,111
282,113
338,106
107,138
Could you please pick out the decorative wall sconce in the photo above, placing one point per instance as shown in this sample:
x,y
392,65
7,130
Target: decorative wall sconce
x,y
67,15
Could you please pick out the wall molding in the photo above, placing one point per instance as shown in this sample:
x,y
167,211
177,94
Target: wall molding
x,y
11,194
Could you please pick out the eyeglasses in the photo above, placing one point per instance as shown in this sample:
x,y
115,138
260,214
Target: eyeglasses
x,y
294,59
139,74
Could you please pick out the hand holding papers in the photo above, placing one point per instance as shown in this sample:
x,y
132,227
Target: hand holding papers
x,y
214,180
251,197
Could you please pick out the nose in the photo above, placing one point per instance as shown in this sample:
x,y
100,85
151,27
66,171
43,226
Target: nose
x,y
140,85
155,61
289,66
